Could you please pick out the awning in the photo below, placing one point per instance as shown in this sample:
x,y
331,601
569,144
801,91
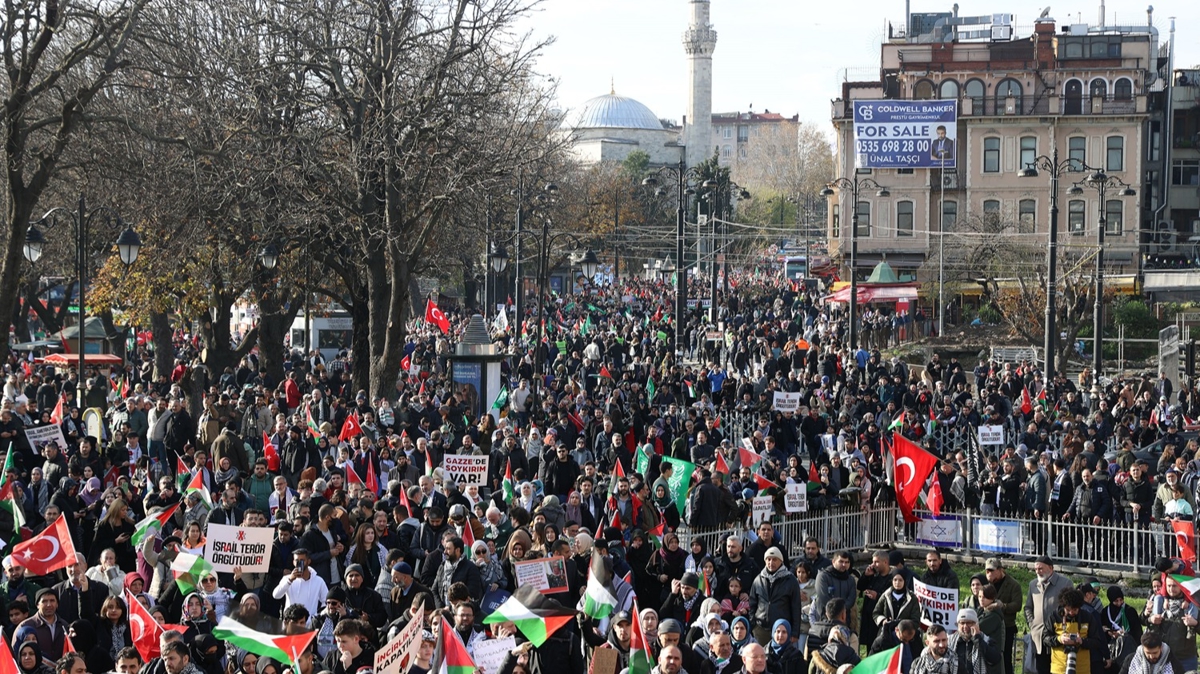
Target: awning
x,y
92,359
1165,281
868,294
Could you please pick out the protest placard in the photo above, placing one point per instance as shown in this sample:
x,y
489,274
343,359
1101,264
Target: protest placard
x,y
466,470
939,605
763,509
247,547
489,653
397,654
796,499
547,574
41,436
786,402
991,435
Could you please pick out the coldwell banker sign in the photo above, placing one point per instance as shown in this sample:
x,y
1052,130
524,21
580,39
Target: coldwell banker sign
x,y
905,134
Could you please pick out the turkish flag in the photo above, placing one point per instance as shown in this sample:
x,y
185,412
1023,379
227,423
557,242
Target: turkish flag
x,y
350,428
270,453
935,500
7,664
919,464
352,475
49,551
468,534
435,316
372,480
1026,403
143,628
57,415
406,363
1185,538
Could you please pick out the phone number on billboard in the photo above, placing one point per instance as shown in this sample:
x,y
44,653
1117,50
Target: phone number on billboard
x,y
891,146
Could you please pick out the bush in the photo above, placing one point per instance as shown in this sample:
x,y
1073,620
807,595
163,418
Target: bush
x,y
989,314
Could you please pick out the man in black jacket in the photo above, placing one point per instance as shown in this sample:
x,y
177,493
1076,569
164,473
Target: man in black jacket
x,y
706,502
363,599
456,568
324,545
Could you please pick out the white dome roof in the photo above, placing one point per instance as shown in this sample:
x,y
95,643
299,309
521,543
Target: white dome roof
x,y
617,112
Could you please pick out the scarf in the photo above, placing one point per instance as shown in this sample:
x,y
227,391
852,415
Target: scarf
x,y
1139,664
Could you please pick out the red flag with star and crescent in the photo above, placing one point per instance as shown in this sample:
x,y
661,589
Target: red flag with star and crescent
x,y
350,428
144,630
1185,538
918,464
436,316
49,551
372,479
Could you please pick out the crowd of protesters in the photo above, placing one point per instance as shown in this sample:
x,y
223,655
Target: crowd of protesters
x,y
599,401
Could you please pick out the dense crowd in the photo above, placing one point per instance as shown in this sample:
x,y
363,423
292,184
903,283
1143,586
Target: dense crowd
x,y
600,413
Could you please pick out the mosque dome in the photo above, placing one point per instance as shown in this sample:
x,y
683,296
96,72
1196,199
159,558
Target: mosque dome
x,y
615,112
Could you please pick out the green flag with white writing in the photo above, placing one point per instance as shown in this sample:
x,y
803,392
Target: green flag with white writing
x,y
680,477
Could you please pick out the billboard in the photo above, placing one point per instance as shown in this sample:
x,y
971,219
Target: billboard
x,y
905,134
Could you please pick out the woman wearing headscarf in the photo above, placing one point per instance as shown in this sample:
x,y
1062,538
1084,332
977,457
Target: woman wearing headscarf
x,y
242,662
667,564
136,584
666,505
699,629
518,548
782,655
490,570
29,660
740,634
249,613
898,603
638,556
708,624
697,555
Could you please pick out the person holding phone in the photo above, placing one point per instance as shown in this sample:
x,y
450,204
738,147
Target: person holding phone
x,y
302,586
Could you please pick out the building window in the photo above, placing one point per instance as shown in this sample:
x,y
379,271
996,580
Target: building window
x,y
1073,98
743,133
948,90
904,218
1185,172
975,91
1114,159
727,150
1098,88
1006,89
1027,215
836,230
1077,152
923,91
904,171
1123,89
864,219
727,132
1075,216
1114,217
949,215
991,207
1028,152
991,155
742,151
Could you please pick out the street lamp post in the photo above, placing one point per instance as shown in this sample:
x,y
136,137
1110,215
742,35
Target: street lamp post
x,y
682,175
854,186
1056,169
1101,182
129,244
719,195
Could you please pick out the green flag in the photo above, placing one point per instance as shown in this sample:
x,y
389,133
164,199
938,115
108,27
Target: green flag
x,y
679,480
501,399
642,463
662,336
651,389
898,422
884,662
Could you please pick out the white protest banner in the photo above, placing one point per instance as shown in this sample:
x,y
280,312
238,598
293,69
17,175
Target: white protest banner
x,y
796,499
247,547
939,605
547,574
466,470
489,653
940,532
42,436
786,402
395,656
991,435
1001,536
762,509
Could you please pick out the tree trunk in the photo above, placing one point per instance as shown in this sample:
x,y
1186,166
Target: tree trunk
x,y
20,321
273,325
389,311
160,337
12,243
218,352
116,336
360,316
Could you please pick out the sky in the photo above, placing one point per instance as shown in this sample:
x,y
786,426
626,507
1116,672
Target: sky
x,y
786,56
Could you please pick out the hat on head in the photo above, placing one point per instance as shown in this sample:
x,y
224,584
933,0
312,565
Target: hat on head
x,y
895,558
403,567
1086,588
1115,592
992,564
354,568
968,615
337,594
690,580
620,617
670,626
773,553
43,592
1044,559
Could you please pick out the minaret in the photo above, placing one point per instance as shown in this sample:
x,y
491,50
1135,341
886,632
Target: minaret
x,y
699,41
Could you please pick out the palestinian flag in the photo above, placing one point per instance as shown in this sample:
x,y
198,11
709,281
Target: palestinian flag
x,y
182,474
722,466
656,534
898,422
537,616
651,389
884,662
705,585
7,502
280,648
152,525
197,486
691,389
5,485
188,569
456,660
313,429
764,483
510,486
604,373
617,474
599,599
932,419
501,401
1041,399
1189,585
640,659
